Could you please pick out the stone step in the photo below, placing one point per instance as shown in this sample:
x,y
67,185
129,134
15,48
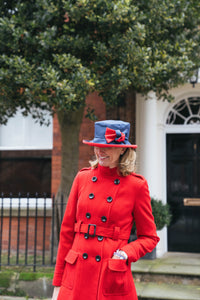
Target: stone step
x,y
155,271
175,276
172,265
168,279
163,291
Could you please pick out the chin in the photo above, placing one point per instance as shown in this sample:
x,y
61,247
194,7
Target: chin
x,y
104,164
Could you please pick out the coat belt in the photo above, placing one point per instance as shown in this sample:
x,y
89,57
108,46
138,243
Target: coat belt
x,y
93,230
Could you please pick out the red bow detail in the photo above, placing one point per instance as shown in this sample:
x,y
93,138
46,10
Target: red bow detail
x,y
114,135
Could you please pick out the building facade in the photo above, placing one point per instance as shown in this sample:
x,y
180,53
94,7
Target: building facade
x,y
168,155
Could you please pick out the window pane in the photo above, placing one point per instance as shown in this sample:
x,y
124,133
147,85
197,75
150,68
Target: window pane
x,y
25,172
25,133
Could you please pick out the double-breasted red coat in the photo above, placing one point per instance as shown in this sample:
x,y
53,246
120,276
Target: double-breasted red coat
x,y
101,209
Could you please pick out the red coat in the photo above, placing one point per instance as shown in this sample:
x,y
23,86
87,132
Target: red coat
x,y
84,268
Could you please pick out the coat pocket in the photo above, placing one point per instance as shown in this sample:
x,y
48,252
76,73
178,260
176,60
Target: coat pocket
x,y
116,279
70,269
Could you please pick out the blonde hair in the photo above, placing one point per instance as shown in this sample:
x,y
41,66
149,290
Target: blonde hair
x,y
126,164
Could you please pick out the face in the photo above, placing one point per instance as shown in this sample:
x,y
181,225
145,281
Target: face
x,y
108,156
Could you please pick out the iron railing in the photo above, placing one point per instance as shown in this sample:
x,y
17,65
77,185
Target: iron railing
x,y
29,230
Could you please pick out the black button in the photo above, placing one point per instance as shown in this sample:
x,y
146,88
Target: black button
x,y
100,238
103,219
85,255
116,181
94,178
91,196
88,215
98,258
86,236
109,199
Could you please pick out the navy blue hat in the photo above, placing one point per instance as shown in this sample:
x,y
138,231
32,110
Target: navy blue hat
x,y
111,133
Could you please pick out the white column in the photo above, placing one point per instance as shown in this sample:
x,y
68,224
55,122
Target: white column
x,y
151,153
146,138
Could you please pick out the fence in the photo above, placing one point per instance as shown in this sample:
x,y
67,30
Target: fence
x,y
28,230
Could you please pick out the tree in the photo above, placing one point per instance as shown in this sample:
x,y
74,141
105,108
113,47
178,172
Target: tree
x,y
54,52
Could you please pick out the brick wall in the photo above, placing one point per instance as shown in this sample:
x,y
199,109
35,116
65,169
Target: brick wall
x,y
22,234
56,157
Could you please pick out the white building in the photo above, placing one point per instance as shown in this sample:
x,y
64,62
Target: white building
x,y
168,139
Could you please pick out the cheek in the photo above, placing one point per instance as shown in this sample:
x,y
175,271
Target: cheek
x,y
117,155
116,158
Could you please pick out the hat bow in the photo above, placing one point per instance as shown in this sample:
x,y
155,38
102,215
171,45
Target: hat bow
x,y
114,135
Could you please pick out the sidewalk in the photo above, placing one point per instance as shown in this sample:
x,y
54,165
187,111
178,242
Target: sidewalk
x,y
175,276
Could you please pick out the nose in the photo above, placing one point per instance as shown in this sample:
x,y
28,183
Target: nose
x,y
100,150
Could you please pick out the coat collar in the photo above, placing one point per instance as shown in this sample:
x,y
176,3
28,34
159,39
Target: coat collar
x,y
106,171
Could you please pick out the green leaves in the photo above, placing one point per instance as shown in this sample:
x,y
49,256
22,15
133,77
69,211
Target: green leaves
x,y
53,53
68,81
161,213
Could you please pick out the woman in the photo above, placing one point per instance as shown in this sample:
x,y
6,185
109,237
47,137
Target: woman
x,y
94,256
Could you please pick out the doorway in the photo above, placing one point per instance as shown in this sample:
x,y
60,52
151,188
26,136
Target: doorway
x,y
183,182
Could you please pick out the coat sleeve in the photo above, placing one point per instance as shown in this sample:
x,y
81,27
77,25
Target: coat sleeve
x,y
66,233
147,238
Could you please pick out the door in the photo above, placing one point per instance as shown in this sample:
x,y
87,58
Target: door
x,y
183,181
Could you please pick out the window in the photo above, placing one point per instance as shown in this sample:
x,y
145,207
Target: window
x,y
25,172
25,157
24,133
186,111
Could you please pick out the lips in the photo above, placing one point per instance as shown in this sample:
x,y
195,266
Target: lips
x,y
103,157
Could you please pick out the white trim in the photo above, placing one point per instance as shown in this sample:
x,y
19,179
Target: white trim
x,y
25,202
183,95
24,148
175,129
182,129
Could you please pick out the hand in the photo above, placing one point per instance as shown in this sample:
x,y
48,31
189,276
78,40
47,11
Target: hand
x,y
55,292
115,257
119,254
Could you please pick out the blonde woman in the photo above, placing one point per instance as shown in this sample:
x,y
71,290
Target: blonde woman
x,y
94,257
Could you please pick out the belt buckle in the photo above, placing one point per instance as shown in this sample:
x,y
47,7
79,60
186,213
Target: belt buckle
x,y
88,232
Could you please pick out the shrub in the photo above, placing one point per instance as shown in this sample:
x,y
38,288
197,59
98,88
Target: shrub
x,y
161,213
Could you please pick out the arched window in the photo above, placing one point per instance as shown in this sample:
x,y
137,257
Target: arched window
x,y
185,112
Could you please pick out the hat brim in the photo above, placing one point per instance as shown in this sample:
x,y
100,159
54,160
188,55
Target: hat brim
x,y
91,143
